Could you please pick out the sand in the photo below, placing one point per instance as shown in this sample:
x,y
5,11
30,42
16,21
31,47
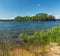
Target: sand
x,y
51,50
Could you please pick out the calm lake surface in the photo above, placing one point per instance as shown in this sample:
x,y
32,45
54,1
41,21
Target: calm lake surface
x,y
15,28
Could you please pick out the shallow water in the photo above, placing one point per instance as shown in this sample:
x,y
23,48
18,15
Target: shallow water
x,y
11,28
15,28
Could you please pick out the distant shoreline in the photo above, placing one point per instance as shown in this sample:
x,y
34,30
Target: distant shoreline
x,y
7,20
29,21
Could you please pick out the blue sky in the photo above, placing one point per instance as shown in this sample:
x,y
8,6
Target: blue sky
x,y
12,8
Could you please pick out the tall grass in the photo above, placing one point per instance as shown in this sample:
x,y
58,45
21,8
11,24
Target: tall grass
x,y
31,42
41,38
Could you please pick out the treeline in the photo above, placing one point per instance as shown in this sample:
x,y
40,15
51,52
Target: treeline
x,y
6,20
37,17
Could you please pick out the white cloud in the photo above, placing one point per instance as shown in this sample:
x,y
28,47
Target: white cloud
x,y
38,4
57,16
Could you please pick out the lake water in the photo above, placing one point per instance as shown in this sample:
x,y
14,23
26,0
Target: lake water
x,y
15,28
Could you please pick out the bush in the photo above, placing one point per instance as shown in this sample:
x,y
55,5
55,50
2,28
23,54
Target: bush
x,y
42,37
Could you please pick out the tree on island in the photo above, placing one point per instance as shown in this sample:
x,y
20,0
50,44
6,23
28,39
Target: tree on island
x,y
37,17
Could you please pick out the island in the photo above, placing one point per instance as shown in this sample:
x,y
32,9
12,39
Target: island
x,y
37,17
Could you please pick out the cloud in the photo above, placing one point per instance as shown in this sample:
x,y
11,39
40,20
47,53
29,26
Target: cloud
x,y
57,16
38,4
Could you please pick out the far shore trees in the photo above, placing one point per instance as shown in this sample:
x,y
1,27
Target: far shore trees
x,y
37,17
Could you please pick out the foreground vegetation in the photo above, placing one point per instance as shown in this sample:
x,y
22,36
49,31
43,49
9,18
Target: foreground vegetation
x,y
37,17
36,44
42,38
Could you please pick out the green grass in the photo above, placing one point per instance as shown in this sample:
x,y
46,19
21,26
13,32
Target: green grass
x,y
42,37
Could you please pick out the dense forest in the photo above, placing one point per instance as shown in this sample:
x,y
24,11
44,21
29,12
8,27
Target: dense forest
x,y
37,17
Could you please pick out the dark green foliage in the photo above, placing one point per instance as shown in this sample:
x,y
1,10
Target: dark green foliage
x,y
37,17
50,17
18,18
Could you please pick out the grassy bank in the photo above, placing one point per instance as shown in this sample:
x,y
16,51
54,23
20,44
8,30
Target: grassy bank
x,y
40,40
42,37
39,44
